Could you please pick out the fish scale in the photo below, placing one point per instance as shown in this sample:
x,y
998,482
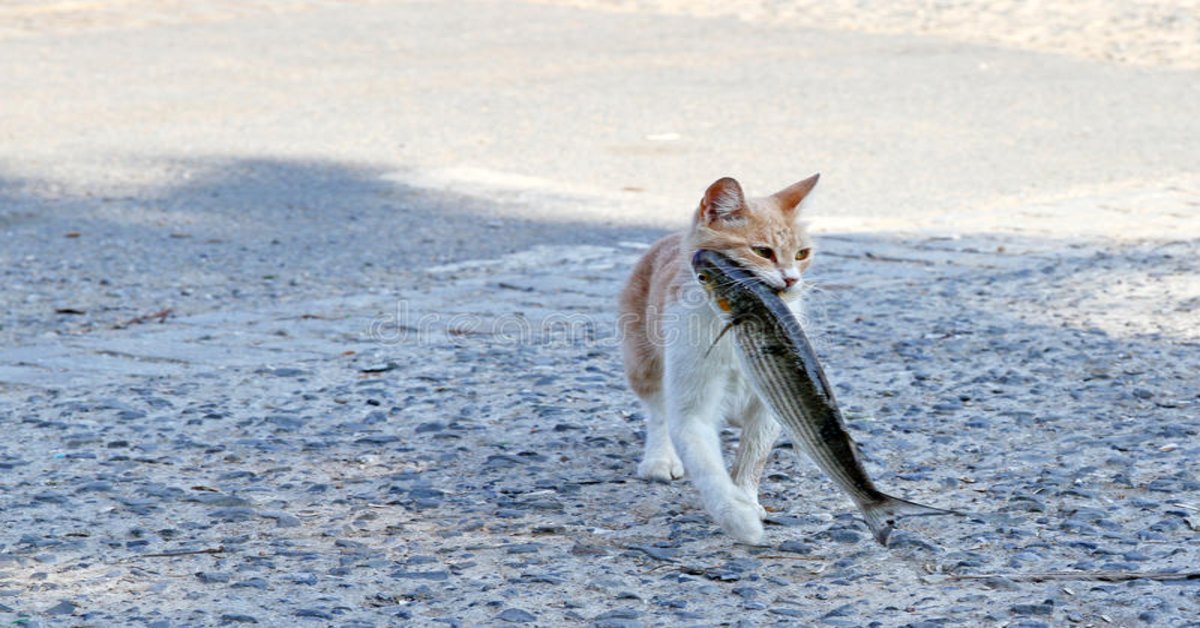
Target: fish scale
x,y
784,371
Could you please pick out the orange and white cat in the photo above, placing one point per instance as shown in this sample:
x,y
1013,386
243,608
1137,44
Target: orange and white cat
x,y
669,324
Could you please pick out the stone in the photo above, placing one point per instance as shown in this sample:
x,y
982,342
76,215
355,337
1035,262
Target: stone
x,y
237,618
208,577
282,519
437,575
231,515
516,616
795,547
842,535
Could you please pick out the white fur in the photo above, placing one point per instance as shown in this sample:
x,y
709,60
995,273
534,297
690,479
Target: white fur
x,y
727,205
701,394
660,462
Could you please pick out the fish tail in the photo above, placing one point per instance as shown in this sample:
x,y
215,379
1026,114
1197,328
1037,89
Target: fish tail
x,y
883,512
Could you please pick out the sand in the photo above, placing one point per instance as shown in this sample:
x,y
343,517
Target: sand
x,y
1154,32
1161,33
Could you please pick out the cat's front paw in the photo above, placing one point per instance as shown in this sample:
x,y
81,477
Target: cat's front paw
x,y
742,520
660,469
752,495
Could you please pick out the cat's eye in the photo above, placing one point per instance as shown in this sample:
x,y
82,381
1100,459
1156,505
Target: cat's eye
x,y
764,251
803,254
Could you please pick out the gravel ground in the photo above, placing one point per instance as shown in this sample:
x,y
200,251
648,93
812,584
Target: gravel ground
x,y
246,377
321,463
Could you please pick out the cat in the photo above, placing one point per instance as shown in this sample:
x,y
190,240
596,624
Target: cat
x,y
690,387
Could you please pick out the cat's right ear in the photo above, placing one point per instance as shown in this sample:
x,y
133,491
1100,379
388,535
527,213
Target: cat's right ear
x,y
790,197
723,201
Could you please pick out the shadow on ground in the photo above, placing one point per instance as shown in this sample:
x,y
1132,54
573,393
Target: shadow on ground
x,y
238,232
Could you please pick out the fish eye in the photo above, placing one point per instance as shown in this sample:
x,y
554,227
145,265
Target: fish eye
x,y
764,251
803,254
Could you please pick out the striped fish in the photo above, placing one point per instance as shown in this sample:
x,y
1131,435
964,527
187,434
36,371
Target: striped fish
x,y
784,371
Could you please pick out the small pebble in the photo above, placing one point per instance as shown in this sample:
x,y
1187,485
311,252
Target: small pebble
x,y
516,616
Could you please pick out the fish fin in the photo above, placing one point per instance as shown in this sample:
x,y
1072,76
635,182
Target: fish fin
x,y
882,514
727,327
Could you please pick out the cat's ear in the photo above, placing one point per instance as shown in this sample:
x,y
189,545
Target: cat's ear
x,y
723,201
789,198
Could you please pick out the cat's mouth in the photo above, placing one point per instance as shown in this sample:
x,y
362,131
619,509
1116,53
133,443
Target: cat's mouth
x,y
781,289
788,293
777,285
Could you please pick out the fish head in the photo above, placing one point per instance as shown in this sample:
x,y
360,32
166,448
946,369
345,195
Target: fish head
x,y
731,287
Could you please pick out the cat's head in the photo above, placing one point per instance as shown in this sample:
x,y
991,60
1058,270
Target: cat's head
x,y
764,235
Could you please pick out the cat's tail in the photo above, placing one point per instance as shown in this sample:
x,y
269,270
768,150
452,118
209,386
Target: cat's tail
x,y
884,510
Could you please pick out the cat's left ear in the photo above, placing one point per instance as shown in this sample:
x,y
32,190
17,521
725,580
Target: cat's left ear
x,y
723,202
789,198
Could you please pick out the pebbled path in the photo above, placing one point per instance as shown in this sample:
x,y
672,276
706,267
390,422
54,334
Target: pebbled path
x,y
463,450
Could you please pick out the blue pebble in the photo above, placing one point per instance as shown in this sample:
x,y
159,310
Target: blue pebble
x,y
516,616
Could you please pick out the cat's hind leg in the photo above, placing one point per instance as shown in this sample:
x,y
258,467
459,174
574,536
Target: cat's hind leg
x,y
760,430
659,463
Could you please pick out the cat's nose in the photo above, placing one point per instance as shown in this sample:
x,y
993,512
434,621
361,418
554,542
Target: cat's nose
x,y
788,282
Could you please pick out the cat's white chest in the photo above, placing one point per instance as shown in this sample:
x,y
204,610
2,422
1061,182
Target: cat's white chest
x,y
707,360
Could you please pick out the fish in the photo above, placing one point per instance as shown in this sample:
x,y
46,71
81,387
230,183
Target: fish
x,y
784,371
